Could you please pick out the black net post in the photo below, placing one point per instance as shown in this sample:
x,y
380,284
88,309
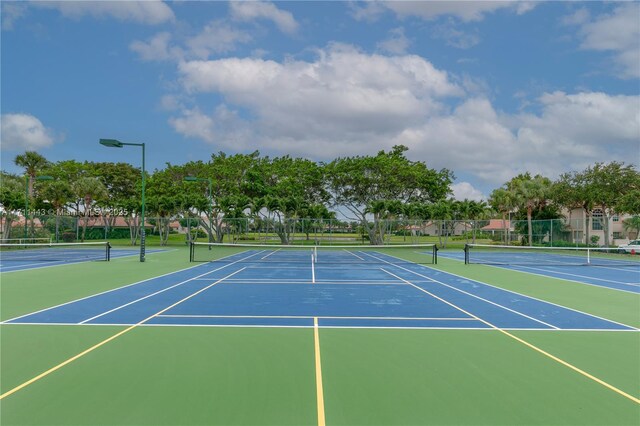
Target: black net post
x,y
191,249
435,254
108,248
466,254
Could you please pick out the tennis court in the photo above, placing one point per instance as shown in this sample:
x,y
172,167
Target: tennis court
x,y
21,256
306,335
609,269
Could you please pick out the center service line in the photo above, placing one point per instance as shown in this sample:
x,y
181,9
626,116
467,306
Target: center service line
x,y
107,340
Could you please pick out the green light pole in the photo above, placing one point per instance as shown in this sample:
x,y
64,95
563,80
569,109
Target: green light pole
x,y
209,204
114,143
26,200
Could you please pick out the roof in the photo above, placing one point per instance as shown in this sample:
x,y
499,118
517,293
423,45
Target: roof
x,y
497,225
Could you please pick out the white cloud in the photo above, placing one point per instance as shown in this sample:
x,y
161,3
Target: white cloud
x,y
252,10
345,92
216,37
579,17
368,11
571,132
24,132
396,44
194,123
11,12
224,128
455,37
617,32
150,12
466,191
157,48
347,102
464,10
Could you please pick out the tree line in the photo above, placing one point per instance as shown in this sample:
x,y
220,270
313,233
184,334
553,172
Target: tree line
x,y
368,189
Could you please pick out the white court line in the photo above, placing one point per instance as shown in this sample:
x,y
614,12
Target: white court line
x,y
107,340
534,347
353,254
270,253
581,276
551,272
320,317
512,292
104,292
51,264
472,295
373,327
162,291
112,290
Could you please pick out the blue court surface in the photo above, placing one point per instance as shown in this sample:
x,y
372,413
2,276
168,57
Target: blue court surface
x,y
384,292
44,258
619,275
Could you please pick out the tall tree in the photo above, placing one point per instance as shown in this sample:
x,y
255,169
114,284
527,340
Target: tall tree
x,y
32,163
530,193
608,184
58,193
476,210
503,200
571,191
164,199
356,182
290,186
88,190
11,199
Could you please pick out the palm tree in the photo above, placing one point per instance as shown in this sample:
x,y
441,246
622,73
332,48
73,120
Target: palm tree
x,y
476,210
443,211
32,163
632,224
88,189
503,201
531,193
58,193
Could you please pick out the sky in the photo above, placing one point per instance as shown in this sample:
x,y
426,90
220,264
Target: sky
x,y
485,89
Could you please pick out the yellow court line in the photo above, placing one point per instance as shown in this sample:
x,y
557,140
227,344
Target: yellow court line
x,y
319,390
524,342
107,340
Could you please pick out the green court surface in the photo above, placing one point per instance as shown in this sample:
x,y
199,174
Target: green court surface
x,y
200,375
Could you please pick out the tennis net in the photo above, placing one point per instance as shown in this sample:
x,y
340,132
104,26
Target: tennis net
x,y
522,255
38,240
56,252
285,254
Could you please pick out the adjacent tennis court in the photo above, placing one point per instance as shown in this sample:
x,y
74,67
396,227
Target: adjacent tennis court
x,y
396,335
17,256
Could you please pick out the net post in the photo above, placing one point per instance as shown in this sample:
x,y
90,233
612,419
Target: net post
x,y
108,248
466,254
435,254
191,249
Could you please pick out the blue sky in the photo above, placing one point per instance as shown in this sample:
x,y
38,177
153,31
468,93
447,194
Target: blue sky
x,y
485,89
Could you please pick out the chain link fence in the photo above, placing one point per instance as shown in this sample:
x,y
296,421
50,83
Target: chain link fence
x,y
181,230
